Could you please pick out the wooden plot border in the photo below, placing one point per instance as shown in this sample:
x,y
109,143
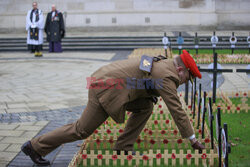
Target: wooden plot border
x,y
146,158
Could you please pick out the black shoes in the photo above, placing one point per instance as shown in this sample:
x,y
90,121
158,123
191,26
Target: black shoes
x,y
35,157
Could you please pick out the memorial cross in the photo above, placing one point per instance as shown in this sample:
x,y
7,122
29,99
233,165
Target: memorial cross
x,y
210,120
165,42
248,41
194,98
180,41
196,43
193,93
233,41
214,41
215,71
218,133
226,148
199,106
243,70
203,113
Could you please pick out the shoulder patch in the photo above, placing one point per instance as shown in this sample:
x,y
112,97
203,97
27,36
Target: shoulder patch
x,y
146,63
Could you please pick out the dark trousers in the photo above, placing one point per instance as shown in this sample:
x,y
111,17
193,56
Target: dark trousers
x,y
35,48
55,47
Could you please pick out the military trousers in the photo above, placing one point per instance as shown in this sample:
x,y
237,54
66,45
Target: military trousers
x,y
92,117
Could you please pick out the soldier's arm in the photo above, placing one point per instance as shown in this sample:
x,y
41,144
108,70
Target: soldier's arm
x,y
168,92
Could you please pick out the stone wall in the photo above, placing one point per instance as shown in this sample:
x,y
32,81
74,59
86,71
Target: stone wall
x,y
233,13
127,13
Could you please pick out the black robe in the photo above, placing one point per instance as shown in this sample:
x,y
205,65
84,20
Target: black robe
x,y
54,27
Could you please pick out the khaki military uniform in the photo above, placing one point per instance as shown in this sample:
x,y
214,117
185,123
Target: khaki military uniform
x,y
115,99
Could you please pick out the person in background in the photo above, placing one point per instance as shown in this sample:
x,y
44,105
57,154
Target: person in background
x,y
34,27
54,28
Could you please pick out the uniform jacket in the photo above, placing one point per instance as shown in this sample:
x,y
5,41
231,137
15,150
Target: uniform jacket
x,y
54,27
115,95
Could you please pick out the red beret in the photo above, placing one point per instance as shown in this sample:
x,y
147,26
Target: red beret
x,y
190,64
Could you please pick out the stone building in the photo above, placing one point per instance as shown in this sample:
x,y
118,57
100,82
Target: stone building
x,y
108,14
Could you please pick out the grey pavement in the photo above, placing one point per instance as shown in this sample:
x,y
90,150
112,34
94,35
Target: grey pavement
x,y
39,94
55,81
13,135
57,118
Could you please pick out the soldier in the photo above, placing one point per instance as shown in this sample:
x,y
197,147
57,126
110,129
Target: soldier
x,y
34,27
54,28
124,86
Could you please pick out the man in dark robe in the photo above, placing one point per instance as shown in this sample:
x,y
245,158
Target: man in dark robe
x,y
54,28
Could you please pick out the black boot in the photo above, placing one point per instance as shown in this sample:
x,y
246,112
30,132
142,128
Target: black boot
x,y
34,156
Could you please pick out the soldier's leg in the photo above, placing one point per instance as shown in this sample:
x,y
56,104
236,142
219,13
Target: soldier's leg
x,y
141,110
92,117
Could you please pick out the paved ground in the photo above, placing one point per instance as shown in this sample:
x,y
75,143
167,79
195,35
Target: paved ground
x,y
40,94
40,91
236,81
13,135
53,82
56,118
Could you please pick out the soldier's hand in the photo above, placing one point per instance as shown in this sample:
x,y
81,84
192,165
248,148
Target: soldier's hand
x,y
197,145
